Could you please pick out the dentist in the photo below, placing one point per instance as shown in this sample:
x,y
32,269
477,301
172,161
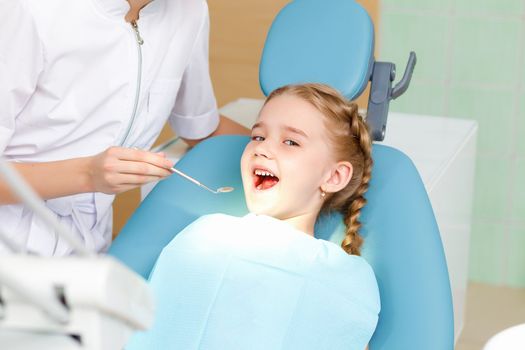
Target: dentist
x,y
84,85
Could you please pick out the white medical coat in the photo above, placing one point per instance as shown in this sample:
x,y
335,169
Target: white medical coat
x,y
68,84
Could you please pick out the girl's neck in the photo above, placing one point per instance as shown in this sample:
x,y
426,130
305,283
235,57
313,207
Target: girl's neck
x,y
305,223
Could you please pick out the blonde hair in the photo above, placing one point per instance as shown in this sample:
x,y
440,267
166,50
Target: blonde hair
x,y
351,141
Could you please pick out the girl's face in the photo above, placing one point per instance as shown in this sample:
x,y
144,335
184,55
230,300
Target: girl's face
x,y
287,161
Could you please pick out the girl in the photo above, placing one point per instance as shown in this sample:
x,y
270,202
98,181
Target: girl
x,y
263,281
324,159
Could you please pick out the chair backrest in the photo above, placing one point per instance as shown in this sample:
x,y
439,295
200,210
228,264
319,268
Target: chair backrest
x,y
174,202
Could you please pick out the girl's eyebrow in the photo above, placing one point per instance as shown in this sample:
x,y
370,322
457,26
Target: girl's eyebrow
x,y
257,125
287,128
296,131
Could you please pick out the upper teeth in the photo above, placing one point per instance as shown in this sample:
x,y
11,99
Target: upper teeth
x,y
263,173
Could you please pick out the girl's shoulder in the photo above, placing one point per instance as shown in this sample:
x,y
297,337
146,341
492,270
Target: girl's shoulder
x,y
352,273
334,255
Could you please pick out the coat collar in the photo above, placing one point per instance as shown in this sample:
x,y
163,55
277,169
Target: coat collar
x,y
119,8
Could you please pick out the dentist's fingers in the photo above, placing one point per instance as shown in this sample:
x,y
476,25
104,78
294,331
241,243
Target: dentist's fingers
x,y
143,168
110,170
137,155
138,180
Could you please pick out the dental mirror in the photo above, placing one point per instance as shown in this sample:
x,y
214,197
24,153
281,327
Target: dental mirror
x,y
225,189
187,177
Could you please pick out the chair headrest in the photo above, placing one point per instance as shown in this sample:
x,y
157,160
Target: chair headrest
x,y
330,42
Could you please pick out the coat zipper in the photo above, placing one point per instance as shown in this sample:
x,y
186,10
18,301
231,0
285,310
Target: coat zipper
x,y
140,41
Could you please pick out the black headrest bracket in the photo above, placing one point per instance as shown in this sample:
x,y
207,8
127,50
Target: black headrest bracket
x,y
381,92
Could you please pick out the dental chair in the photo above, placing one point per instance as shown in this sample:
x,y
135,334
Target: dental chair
x,y
329,41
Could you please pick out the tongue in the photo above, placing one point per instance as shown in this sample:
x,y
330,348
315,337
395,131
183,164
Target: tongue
x,y
268,182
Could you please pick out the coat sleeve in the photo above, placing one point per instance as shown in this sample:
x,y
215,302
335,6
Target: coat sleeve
x,y
21,62
195,114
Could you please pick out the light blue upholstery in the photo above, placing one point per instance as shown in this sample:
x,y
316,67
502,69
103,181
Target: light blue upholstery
x,y
309,38
402,242
174,203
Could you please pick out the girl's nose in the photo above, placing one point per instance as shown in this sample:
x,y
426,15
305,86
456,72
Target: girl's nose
x,y
263,150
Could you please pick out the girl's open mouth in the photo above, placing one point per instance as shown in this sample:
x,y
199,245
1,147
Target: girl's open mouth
x,y
263,179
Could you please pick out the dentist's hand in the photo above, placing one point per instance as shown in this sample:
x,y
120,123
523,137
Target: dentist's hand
x,y
120,169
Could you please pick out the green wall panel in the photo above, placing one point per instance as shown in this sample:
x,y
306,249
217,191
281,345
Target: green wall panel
x,y
471,64
485,51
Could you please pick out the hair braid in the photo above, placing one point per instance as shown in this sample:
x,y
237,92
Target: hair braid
x,y
359,130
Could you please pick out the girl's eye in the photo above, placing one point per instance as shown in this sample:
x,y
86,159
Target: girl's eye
x,y
291,143
257,138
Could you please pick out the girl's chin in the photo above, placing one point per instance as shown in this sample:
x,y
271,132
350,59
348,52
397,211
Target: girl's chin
x,y
261,209
263,202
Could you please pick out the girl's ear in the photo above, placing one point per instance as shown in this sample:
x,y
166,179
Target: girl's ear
x,y
340,177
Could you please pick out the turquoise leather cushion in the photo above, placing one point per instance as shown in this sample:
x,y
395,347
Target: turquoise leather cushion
x,y
324,41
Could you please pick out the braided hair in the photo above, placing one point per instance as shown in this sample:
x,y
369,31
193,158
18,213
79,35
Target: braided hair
x,y
350,138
